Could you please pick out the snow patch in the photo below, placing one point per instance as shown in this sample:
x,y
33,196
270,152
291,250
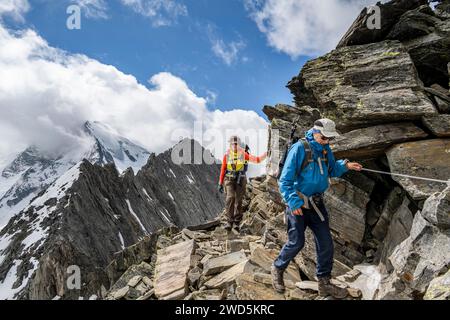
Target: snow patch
x,y
171,171
147,195
122,243
135,216
171,196
7,292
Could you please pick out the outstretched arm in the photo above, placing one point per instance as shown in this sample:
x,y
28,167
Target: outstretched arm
x,y
254,159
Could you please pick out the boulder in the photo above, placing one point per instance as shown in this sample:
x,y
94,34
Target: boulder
x,y
422,257
439,125
439,288
427,158
363,85
346,205
248,289
371,142
436,209
264,258
219,264
172,267
359,33
227,277
391,205
429,51
397,232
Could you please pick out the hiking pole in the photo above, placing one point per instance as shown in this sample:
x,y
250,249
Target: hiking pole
x,y
407,176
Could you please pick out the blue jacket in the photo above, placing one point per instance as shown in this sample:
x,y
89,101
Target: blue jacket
x,y
310,181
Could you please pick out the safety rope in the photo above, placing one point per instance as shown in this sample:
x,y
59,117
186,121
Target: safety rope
x,y
407,176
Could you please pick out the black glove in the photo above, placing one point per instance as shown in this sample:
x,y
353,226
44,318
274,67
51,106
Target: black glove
x,y
220,187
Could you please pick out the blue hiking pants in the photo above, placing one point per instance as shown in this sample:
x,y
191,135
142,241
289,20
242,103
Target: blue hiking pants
x,y
296,232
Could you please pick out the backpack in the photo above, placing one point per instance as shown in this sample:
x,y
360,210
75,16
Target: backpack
x,y
306,160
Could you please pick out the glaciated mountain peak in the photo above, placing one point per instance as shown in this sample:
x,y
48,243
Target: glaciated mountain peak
x,y
110,147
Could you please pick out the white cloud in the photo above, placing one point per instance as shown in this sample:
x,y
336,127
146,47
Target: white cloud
x,y
95,9
227,52
14,8
46,94
304,27
161,12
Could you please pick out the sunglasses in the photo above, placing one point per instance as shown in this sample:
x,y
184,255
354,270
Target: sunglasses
x,y
322,137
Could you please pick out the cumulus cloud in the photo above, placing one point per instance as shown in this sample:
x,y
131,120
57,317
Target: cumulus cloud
x,y
161,12
14,8
46,95
304,27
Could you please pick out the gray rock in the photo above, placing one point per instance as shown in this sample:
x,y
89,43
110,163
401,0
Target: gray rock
x,y
346,205
439,125
219,264
172,267
436,209
439,288
398,231
363,85
391,12
227,277
371,142
391,206
427,158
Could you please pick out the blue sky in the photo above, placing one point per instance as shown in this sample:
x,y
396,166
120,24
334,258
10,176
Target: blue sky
x,y
127,40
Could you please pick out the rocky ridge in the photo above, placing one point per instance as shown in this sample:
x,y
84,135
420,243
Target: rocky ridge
x,y
391,102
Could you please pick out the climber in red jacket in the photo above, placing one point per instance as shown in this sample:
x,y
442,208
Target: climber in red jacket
x,y
233,177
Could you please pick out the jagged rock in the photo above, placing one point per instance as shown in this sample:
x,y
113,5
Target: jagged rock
x,y
417,261
129,277
204,226
264,258
363,85
227,277
442,10
414,24
439,125
390,12
237,245
308,285
194,276
249,289
148,295
439,288
119,294
430,50
436,209
391,206
372,142
297,294
172,267
141,251
219,264
399,229
134,281
427,158
346,205
367,281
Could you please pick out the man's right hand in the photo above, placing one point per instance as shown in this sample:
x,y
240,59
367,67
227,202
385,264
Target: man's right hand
x,y
297,212
220,187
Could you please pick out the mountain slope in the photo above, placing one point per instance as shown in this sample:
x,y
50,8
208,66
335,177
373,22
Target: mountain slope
x,y
91,212
33,171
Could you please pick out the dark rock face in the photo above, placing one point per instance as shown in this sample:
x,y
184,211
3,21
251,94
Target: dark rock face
x,y
359,33
92,212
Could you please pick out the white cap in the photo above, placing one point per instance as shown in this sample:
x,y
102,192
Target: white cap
x,y
326,127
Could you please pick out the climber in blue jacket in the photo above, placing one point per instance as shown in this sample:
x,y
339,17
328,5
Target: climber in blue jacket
x,y
304,178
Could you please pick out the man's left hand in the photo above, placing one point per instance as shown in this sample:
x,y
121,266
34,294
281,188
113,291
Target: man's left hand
x,y
354,166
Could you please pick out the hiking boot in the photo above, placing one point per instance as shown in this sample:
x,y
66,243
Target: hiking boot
x,y
277,279
326,288
228,226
